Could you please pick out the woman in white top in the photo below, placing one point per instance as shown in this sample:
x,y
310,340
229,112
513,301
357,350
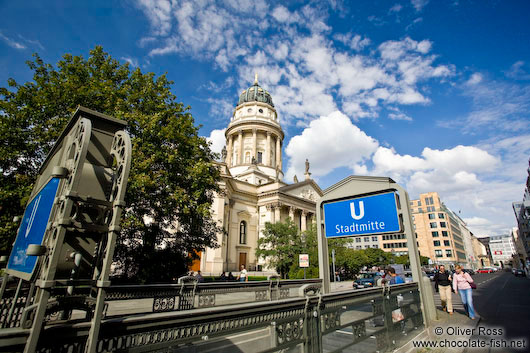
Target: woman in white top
x,y
461,285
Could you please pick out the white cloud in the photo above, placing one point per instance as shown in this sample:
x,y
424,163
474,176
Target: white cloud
x,y
217,140
395,8
11,42
282,14
518,71
307,73
132,61
329,142
399,116
474,79
159,14
419,4
496,107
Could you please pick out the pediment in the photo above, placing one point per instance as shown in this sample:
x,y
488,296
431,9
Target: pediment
x,y
308,190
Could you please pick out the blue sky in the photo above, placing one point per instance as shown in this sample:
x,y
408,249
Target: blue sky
x,y
435,94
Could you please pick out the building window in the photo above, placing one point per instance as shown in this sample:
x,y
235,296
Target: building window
x,y
375,246
443,225
430,209
367,246
358,247
357,240
448,253
243,232
433,225
419,202
432,216
447,243
441,215
436,243
435,234
445,233
366,239
374,238
260,157
438,253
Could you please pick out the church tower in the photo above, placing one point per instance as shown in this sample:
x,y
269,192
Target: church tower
x,y
254,138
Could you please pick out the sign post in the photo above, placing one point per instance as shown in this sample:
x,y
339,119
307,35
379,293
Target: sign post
x,y
362,205
303,260
71,223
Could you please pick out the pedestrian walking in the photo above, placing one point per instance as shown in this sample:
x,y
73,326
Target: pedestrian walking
x,y
243,275
461,284
442,284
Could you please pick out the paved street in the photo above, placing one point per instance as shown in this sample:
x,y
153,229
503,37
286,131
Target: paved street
x,y
501,301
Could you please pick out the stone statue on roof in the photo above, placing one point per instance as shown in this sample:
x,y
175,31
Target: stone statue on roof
x,y
223,153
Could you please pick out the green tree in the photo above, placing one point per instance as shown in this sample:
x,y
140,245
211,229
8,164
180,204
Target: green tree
x,y
310,247
280,245
404,260
172,179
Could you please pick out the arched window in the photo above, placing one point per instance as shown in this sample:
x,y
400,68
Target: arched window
x,y
243,232
247,157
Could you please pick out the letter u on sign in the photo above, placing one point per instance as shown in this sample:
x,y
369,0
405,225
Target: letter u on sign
x,y
361,210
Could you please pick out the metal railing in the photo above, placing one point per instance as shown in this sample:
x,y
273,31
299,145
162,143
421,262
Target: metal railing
x,y
368,320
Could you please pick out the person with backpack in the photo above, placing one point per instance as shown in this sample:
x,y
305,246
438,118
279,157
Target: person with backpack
x,y
463,283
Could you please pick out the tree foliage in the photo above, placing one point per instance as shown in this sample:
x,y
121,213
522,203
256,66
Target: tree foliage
x,y
280,245
172,179
404,260
309,247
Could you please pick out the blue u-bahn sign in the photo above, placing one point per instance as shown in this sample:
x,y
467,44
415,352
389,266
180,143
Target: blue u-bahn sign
x,y
31,230
374,214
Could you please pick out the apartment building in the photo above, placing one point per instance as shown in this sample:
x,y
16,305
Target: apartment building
x,y
439,231
502,249
365,242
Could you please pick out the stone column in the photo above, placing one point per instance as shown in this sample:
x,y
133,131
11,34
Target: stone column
x,y
291,213
270,209
230,151
255,144
241,158
277,212
278,152
268,150
303,216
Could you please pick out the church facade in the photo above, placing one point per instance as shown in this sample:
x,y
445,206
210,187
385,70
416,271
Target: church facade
x,y
253,191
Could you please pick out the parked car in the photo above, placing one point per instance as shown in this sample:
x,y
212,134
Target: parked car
x,y
519,272
430,274
485,270
366,280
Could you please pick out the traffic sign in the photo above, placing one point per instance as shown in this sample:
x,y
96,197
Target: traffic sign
x,y
303,259
374,214
31,230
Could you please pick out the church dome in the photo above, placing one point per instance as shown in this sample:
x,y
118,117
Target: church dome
x,y
255,94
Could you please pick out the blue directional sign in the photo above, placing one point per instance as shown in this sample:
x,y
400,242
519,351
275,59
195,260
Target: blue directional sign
x,y
32,229
375,214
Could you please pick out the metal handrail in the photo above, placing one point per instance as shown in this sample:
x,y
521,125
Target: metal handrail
x,y
290,322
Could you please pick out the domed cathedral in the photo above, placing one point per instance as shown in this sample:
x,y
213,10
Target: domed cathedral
x,y
253,191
